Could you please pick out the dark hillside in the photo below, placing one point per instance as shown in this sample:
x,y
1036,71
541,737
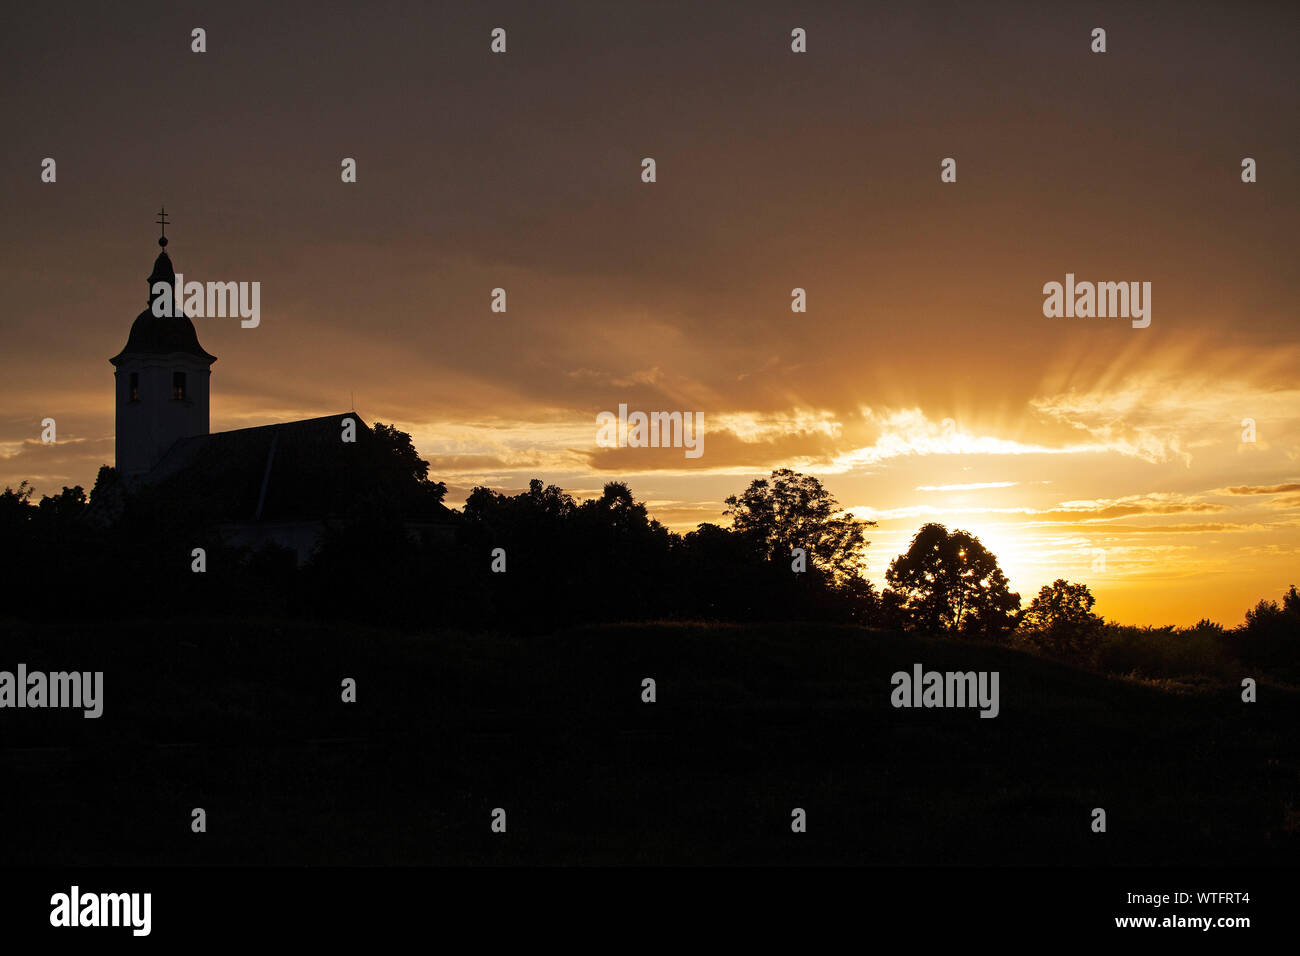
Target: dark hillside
x,y
245,720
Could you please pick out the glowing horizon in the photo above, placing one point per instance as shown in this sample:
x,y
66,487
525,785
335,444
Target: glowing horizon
x,y
924,382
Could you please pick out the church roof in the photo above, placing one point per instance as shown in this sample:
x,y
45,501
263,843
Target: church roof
x,y
162,335
299,470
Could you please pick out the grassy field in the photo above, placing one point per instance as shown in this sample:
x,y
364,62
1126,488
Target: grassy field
x,y
244,719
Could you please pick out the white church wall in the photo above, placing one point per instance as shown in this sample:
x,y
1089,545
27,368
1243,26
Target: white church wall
x,y
147,426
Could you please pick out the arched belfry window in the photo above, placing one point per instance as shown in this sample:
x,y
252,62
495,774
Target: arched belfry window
x,y
135,386
178,387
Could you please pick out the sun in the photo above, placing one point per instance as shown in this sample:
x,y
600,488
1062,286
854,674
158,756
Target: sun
x,y
1010,546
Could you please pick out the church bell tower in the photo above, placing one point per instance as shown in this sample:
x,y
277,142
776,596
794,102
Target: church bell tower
x,y
162,380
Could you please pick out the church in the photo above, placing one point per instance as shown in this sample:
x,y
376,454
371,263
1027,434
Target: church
x,y
281,484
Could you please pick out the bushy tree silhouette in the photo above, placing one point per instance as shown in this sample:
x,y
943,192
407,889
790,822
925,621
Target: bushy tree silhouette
x,y
1060,619
1270,637
601,559
790,510
16,508
951,583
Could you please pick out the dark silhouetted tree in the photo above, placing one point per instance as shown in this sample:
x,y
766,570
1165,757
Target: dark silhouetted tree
x,y
394,479
1060,619
16,507
105,479
790,510
1270,638
601,559
952,583
66,506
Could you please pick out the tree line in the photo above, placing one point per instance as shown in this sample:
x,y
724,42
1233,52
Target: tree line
x,y
542,559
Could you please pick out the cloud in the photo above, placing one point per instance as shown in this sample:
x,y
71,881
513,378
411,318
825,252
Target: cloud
x,y
1195,528
1257,489
909,431
1154,503
1066,512
68,461
1162,405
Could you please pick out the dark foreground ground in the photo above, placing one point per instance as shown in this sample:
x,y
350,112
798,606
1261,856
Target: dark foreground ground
x,y
244,719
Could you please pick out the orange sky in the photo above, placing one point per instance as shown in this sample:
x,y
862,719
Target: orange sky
x,y
1077,448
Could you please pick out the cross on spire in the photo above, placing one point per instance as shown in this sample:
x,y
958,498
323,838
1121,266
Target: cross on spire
x,y
162,221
